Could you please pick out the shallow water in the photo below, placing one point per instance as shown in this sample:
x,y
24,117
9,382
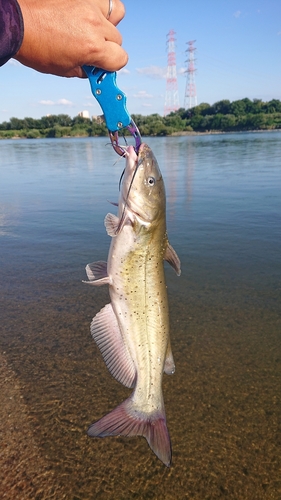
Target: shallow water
x,y
223,403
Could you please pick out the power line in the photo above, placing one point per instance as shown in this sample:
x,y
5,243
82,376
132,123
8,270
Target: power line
x,y
172,94
190,97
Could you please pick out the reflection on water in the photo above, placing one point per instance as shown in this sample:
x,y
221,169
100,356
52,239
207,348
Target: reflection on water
x,y
223,403
9,218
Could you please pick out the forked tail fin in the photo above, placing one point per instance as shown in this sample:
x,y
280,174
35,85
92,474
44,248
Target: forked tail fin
x,y
124,420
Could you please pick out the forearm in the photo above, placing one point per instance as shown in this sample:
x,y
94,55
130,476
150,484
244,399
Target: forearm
x,y
11,29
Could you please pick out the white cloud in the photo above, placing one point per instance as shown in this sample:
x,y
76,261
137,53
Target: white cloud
x,y
88,104
60,102
47,103
142,94
237,14
181,71
124,71
146,105
64,102
156,72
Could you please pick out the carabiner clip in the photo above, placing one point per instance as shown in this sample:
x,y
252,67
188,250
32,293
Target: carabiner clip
x,y
113,103
133,129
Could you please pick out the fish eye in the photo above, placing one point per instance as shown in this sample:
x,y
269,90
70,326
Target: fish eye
x,y
151,181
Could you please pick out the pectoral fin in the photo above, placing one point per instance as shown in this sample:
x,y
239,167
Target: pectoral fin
x,y
172,257
106,333
114,225
97,273
111,223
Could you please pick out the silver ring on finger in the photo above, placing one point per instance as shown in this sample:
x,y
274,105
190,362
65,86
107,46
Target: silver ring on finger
x,y
109,9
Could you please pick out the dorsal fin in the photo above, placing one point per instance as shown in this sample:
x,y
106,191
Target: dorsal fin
x,y
113,203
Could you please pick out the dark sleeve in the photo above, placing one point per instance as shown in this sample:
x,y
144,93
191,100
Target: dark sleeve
x,y
11,29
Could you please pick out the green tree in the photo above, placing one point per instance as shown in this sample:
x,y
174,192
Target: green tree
x,y
273,106
32,134
16,124
5,126
80,120
222,107
238,108
216,122
196,122
228,122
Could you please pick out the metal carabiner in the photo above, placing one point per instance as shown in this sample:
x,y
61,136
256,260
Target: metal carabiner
x,y
113,103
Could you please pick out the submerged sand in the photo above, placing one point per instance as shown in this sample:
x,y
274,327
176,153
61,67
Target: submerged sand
x,y
24,473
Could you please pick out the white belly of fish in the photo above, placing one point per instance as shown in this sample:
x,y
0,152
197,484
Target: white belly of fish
x,y
139,300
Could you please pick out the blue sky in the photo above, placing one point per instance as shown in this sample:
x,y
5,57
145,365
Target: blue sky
x,y
238,55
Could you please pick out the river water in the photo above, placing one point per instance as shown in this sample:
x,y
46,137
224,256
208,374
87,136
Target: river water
x,y
223,402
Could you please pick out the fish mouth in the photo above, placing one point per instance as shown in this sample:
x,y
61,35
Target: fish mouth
x,y
127,151
140,157
126,198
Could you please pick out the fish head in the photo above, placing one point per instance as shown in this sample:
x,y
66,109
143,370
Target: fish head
x,y
143,189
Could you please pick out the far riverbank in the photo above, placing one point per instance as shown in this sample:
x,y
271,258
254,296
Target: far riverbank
x,y
244,115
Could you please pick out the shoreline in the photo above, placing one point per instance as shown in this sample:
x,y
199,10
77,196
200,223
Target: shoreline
x,y
181,133
222,132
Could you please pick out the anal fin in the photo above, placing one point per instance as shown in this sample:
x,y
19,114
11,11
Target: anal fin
x,y
106,333
169,366
173,259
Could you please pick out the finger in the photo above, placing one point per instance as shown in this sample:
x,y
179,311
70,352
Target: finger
x,y
75,72
112,34
111,58
117,13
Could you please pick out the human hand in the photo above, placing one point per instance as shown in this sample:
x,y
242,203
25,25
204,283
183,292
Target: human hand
x,y
60,36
